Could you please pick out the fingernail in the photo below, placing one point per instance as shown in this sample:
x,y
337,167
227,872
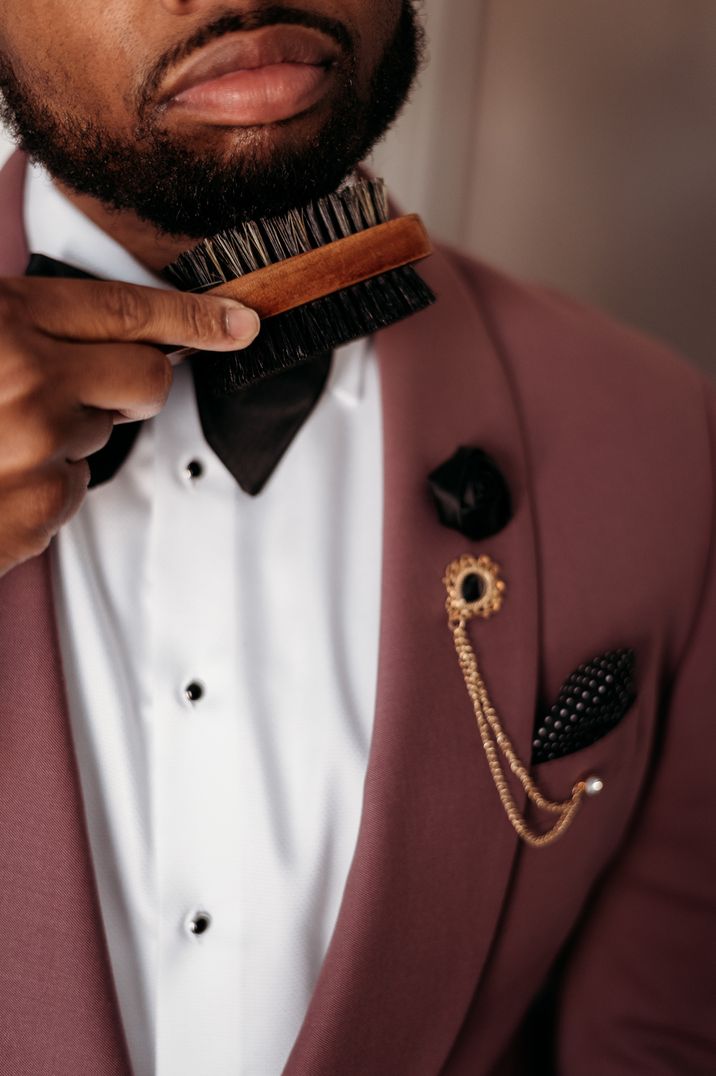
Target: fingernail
x,y
242,324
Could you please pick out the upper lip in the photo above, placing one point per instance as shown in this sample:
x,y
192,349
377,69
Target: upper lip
x,y
245,50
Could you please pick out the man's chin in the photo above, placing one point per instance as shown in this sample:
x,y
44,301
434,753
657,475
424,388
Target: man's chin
x,y
199,193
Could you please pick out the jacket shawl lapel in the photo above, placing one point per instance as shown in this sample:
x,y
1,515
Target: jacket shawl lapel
x,y
435,851
58,1010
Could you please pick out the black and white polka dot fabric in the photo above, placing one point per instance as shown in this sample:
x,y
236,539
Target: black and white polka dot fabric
x,y
592,701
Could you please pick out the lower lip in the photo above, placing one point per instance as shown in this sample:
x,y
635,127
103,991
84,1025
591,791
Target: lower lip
x,y
253,97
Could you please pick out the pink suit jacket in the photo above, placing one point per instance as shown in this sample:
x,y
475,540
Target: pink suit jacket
x,y
458,949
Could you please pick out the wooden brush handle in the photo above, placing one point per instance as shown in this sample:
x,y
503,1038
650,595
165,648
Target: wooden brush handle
x,y
305,277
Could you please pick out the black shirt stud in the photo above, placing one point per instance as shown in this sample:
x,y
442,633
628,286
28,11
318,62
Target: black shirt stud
x,y
471,494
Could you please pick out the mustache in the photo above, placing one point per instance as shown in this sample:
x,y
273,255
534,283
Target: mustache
x,y
235,22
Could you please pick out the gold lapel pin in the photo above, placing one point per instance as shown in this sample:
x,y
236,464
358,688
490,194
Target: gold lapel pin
x,y
475,588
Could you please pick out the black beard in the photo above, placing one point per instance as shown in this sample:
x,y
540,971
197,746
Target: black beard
x,y
181,191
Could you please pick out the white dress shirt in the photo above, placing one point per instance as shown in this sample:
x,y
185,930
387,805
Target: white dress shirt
x,y
221,658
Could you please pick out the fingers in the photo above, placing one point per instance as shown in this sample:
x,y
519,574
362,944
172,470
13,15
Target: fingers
x,y
89,310
35,510
130,380
47,438
67,396
89,433
74,358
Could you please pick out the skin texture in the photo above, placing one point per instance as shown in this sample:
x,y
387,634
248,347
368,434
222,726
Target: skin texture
x,y
76,356
106,131
74,361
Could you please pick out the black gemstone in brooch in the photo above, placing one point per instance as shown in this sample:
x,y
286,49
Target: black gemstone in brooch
x,y
471,494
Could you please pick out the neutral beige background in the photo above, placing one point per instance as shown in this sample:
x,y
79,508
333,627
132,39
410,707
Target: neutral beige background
x,y
594,161
574,142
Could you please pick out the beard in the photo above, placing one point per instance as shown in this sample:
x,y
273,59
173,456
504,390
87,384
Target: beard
x,y
182,190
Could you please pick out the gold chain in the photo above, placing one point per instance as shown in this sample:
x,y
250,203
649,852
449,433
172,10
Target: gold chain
x,y
460,611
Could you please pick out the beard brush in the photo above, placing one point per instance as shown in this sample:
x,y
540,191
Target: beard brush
x,y
319,276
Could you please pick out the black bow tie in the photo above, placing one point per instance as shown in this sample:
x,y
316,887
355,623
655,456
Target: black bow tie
x,y
249,431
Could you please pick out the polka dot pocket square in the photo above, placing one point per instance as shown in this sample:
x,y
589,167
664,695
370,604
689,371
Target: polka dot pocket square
x,y
591,702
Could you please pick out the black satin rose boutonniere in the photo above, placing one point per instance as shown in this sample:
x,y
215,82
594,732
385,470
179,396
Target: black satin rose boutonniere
x,y
471,494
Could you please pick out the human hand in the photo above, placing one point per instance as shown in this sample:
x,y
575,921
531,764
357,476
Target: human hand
x,y
76,356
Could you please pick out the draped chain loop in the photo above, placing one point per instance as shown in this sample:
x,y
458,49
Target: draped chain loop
x,y
475,589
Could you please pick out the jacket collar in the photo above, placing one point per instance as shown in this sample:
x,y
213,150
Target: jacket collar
x,y
434,852
435,849
13,248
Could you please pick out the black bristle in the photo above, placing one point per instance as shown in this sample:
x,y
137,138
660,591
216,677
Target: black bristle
x,y
316,327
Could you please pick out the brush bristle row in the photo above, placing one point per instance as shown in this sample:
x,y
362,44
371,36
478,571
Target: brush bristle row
x,y
256,244
316,327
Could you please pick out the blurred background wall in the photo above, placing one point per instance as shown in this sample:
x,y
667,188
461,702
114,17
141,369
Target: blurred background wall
x,y
573,142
